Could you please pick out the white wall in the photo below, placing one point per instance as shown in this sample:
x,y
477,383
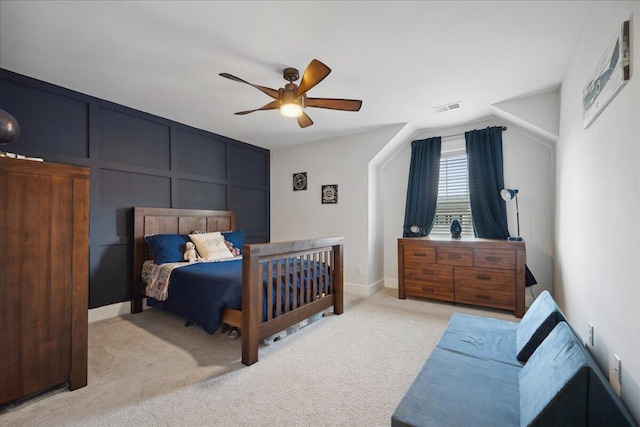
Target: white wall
x,y
528,166
598,205
300,214
582,189
537,114
372,183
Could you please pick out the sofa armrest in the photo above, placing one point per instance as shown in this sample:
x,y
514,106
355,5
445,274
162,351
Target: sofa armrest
x,y
543,315
562,385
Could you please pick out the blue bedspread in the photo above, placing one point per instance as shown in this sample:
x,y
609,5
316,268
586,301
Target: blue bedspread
x,y
199,292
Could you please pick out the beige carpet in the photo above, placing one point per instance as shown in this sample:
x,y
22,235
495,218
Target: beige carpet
x,y
352,370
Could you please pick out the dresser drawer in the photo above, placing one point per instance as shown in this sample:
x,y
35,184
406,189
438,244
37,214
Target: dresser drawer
x,y
485,278
486,287
416,254
440,292
486,298
454,256
425,289
494,258
430,281
431,273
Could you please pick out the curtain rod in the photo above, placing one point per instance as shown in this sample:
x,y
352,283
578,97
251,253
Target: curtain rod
x,y
462,134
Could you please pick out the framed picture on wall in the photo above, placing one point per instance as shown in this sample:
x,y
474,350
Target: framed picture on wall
x,y
611,74
330,194
299,181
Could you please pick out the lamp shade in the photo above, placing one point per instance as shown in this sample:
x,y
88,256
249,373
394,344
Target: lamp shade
x,y
508,194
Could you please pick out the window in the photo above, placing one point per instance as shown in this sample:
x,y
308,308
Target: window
x,y
453,195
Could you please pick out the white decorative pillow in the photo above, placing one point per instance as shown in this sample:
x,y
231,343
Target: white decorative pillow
x,y
211,246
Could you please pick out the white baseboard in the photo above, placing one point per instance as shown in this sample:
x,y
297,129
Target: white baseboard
x,y
112,310
364,290
391,283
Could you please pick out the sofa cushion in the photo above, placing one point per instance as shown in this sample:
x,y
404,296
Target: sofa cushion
x,y
539,320
483,337
561,385
458,389
553,383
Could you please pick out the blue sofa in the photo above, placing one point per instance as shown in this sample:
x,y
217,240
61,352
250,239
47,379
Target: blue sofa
x,y
491,372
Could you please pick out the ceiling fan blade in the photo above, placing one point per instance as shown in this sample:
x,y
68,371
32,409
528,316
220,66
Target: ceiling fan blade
x,y
316,72
273,105
271,92
334,104
304,120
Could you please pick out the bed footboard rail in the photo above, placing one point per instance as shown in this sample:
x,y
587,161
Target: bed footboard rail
x,y
300,278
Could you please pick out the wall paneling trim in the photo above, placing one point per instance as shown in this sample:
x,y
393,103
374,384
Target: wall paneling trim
x,y
135,159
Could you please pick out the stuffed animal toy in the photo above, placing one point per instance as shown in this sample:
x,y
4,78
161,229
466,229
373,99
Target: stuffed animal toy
x,y
234,251
190,253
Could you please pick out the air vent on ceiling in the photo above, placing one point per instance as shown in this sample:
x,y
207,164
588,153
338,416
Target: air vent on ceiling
x,y
448,107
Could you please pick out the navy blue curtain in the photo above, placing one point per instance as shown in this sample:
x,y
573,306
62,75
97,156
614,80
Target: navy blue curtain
x,y
422,191
486,180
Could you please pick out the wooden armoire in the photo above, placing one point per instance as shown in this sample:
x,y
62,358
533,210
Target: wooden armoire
x,y
44,276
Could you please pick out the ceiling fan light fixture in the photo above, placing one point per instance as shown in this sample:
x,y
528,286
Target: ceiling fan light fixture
x,y
291,109
292,99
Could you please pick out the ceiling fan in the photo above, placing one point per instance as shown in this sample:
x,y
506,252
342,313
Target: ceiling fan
x,y
292,99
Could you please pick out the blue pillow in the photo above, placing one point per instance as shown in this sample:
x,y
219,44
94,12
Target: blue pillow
x,y
165,248
236,237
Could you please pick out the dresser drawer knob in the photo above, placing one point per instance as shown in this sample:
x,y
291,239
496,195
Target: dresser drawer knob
x,y
485,297
428,290
427,272
483,277
493,258
419,254
453,256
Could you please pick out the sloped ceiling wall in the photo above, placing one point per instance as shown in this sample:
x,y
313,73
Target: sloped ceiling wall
x,y
537,114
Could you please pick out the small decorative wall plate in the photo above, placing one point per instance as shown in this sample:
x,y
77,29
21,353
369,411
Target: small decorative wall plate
x,y
330,194
299,181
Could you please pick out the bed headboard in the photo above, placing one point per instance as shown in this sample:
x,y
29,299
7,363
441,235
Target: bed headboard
x,y
169,221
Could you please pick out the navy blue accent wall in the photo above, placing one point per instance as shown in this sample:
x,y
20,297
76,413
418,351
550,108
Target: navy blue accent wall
x,y
135,159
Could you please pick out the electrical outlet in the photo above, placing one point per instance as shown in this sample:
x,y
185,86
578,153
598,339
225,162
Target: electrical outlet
x,y
618,369
358,270
590,338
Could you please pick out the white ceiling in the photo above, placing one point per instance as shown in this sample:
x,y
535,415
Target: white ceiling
x,y
401,58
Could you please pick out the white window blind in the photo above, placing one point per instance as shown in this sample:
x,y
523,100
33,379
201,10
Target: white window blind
x,y
453,196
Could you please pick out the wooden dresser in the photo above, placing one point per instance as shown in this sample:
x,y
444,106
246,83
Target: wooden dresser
x,y
482,272
44,276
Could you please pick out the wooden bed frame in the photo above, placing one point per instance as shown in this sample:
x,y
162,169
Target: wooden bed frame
x,y
250,318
